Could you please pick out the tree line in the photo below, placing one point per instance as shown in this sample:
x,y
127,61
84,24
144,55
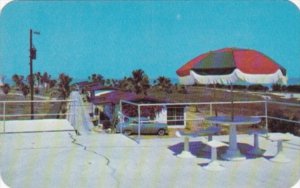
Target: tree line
x,y
138,82
41,82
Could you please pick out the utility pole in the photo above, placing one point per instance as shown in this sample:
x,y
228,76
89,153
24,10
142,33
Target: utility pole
x,y
32,56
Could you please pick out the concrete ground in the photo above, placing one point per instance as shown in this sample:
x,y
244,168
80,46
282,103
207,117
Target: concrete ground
x,y
63,159
37,125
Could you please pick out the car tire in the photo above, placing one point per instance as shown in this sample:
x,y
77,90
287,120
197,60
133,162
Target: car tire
x,y
161,132
127,132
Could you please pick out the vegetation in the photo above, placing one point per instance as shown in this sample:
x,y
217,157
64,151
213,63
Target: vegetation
x,y
97,78
64,85
283,88
284,126
5,88
163,84
138,82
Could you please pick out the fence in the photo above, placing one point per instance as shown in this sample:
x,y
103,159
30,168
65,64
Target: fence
x,y
249,108
74,113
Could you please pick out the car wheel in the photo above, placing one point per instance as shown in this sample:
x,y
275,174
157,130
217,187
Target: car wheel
x,y
161,132
127,132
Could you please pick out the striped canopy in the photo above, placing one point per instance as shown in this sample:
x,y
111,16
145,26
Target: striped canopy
x,y
230,65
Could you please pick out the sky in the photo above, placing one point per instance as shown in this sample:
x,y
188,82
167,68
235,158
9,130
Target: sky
x,y
113,38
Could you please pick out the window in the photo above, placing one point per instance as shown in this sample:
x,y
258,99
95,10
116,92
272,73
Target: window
x,y
175,115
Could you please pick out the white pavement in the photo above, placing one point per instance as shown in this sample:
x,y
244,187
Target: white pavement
x,y
37,125
62,159
79,117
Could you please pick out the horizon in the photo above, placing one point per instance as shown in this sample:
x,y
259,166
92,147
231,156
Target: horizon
x,y
115,38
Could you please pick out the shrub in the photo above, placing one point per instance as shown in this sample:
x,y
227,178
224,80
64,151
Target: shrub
x,y
258,87
284,126
293,88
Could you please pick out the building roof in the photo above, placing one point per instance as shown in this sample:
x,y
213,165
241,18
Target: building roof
x,y
92,86
97,86
82,84
115,96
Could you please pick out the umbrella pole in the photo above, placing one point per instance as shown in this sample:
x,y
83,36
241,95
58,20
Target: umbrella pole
x,y
232,105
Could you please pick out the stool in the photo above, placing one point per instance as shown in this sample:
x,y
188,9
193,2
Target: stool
x,y
256,150
210,131
214,165
279,138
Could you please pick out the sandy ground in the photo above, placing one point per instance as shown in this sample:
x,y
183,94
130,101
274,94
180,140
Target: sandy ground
x,y
62,159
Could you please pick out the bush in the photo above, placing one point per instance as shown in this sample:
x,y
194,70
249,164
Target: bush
x,y
276,87
257,87
293,88
284,126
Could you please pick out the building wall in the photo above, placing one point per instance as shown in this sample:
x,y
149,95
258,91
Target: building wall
x,y
162,117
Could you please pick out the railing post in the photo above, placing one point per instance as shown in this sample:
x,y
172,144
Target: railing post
x,y
121,118
139,127
4,113
210,109
266,114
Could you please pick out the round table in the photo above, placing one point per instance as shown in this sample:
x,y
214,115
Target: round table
x,y
233,153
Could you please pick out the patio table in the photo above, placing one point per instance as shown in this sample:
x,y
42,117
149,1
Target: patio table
x,y
233,152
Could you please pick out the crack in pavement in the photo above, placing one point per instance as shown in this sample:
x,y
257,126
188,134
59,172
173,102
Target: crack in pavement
x,y
85,148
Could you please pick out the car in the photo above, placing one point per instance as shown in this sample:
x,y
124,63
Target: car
x,y
130,126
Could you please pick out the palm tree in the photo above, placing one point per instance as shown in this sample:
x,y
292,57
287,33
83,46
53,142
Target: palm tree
x,y
5,88
45,79
18,79
52,83
126,84
30,79
25,89
97,78
64,85
140,81
163,84
38,77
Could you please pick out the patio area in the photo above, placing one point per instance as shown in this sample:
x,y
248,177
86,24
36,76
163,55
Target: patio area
x,y
62,159
37,125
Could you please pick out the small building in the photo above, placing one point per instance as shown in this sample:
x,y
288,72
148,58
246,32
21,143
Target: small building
x,y
106,104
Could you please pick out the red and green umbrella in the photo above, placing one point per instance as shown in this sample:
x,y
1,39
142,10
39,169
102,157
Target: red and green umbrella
x,y
232,65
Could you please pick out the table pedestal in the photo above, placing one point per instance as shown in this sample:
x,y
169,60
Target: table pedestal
x,y
206,147
186,149
256,150
233,152
214,164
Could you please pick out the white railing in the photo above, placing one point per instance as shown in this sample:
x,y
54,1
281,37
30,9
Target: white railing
x,y
5,115
264,113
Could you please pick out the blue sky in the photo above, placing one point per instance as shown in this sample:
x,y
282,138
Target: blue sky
x,y
113,38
